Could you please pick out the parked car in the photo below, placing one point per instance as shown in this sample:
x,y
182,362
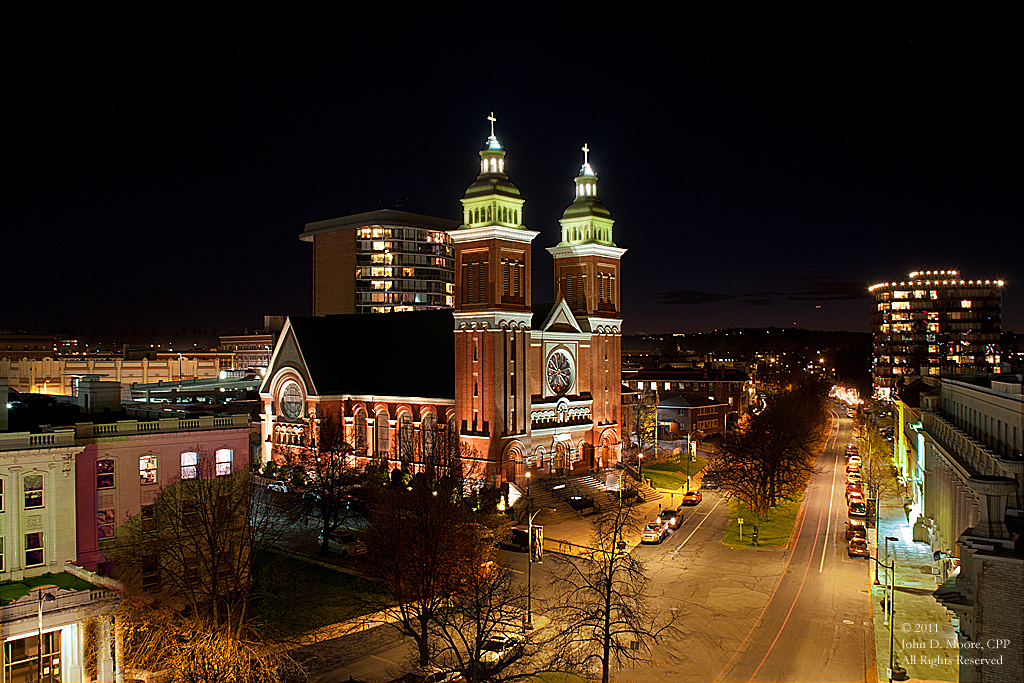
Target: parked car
x,y
343,542
856,528
852,450
853,459
692,497
500,646
858,547
519,538
654,532
674,517
279,486
854,488
712,480
853,467
858,508
854,477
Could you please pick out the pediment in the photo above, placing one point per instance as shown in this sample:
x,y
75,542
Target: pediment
x,y
560,318
287,355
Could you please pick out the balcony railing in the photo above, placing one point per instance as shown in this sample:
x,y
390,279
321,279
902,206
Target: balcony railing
x,y
87,430
965,447
14,441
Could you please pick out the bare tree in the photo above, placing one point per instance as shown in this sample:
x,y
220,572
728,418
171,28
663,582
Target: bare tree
x,y
331,478
189,557
602,598
770,454
418,540
878,469
191,650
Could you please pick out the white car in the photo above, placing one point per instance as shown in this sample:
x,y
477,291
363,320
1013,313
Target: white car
x,y
654,532
500,646
342,541
278,486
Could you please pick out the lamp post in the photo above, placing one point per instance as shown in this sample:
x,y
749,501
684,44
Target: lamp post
x,y
888,598
41,597
528,484
888,606
529,566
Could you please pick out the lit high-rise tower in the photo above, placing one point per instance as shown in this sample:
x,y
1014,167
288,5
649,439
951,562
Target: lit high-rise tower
x,y
934,323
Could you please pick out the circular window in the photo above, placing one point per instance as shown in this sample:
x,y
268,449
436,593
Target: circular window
x,y
559,372
292,401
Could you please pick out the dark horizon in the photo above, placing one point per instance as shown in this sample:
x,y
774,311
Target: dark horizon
x,y
762,170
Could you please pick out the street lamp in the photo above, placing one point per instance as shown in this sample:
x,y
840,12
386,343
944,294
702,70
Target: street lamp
x,y
527,484
888,605
529,565
48,597
887,539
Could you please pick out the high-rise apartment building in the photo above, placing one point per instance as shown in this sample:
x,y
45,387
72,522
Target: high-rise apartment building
x,y
934,323
380,262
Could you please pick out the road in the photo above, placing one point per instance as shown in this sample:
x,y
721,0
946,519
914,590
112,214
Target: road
x,y
755,614
760,614
817,623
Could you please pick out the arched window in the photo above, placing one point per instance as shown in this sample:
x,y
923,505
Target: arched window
x,y
406,449
428,437
380,426
501,165
359,426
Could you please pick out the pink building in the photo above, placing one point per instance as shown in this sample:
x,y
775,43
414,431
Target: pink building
x,y
124,466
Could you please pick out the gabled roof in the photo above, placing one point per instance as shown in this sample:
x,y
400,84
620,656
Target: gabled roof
x,y
555,317
386,354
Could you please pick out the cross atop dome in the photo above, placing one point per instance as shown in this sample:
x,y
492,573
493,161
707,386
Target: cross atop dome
x,y
492,142
586,169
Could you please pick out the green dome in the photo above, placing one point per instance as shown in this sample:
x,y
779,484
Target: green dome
x,y
492,184
586,206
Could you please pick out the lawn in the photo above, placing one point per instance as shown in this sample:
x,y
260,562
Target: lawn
x,y
12,590
293,595
775,529
672,473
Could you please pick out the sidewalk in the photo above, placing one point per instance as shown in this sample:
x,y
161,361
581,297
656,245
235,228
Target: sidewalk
x,y
922,630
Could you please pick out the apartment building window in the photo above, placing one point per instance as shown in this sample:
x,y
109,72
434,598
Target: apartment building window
x,y
148,518
1,495
223,461
147,469
33,486
34,549
189,460
1,553
104,474
104,524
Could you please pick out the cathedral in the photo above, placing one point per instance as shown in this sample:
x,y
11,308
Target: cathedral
x,y
523,388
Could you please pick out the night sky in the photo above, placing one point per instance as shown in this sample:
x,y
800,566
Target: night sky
x,y
763,169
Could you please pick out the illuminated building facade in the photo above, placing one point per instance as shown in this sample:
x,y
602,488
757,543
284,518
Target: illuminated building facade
x,y
934,323
527,388
381,262
959,450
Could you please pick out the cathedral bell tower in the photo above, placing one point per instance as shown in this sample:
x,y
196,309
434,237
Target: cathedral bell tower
x,y
492,312
587,276
587,260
